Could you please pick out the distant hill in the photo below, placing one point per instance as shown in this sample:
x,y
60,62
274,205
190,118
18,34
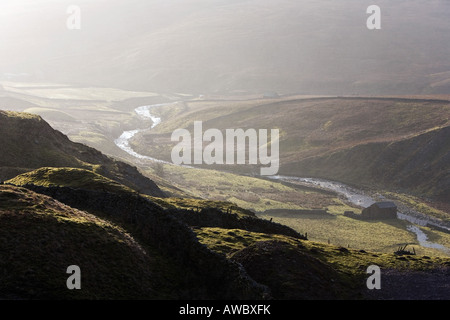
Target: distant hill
x,y
419,165
390,143
205,46
28,142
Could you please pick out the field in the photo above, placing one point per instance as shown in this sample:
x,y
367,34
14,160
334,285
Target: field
x,y
229,241
249,192
379,236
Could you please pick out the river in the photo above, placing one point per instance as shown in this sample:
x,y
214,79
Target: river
x,y
123,142
353,195
361,198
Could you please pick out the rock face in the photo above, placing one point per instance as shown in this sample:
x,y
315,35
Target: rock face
x,y
380,211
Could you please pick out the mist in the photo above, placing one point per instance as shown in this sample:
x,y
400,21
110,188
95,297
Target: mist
x,y
204,46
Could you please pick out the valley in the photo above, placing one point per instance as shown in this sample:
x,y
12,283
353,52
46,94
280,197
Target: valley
x,y
231,210
218,150
361,200
148,121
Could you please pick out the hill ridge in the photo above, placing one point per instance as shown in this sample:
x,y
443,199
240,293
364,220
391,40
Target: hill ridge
x,y
409,166
42,146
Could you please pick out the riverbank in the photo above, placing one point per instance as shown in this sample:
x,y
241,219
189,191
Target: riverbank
x,y
361,198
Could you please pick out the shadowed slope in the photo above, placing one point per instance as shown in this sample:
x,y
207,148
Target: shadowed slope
x,y
28,142
41,238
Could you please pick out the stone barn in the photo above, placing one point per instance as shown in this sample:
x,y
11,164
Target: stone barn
x,y
380,211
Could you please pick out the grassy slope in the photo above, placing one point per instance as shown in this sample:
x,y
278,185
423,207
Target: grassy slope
x,y
89,180
42,146
69,177
183,260
292,268
42,237
345,267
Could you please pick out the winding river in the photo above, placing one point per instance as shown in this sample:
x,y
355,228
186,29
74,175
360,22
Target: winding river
x,y
355,196
360,198
123,142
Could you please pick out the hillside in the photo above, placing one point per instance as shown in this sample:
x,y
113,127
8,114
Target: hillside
x,y
419,165
42,146
184,268
41,238
386,143
204,46
172,263
69,177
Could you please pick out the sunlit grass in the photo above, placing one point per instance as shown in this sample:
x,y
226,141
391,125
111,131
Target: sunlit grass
x,y
349,260
418,205
250,193
52,114
69,177
378,236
